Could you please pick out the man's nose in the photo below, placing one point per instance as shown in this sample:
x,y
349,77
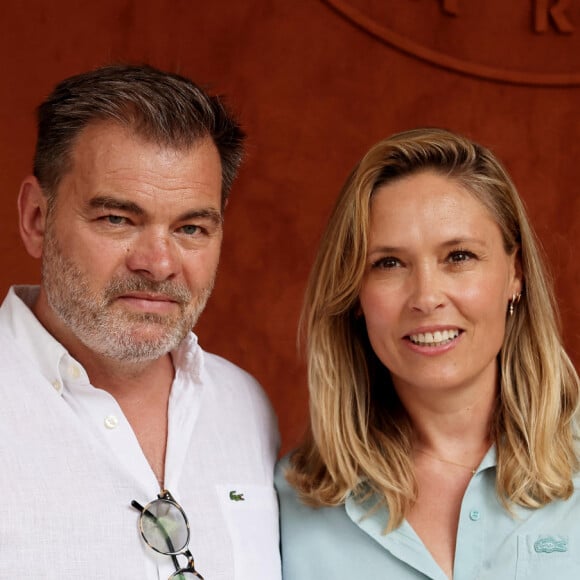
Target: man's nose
x,y
154,255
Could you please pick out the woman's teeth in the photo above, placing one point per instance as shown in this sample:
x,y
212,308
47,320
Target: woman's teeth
x,y
436,338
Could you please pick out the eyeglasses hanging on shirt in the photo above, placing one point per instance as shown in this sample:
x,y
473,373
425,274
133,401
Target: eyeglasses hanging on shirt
x,y
165,529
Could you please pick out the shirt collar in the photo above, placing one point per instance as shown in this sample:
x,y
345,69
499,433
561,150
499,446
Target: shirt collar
x,y
188,359
54,361
359,511
33,339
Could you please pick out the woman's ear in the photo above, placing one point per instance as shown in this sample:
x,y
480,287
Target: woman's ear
x,y
32,211
518,281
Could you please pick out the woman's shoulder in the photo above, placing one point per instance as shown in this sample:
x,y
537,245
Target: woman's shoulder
x,y
308,524
292,508
282,485
281,468
325,542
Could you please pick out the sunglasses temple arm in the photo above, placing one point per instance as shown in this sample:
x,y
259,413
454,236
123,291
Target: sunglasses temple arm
x,y
137,506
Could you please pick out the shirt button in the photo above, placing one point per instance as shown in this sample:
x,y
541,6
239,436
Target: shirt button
x,y
57,386
474,515
111,421
74,371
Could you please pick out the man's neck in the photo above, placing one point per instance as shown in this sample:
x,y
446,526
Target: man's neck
x,y
123,379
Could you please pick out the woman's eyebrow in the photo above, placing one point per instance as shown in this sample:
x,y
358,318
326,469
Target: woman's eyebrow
x,y
464,240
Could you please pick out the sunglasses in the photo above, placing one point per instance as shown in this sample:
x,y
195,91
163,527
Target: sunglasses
x,y
164,528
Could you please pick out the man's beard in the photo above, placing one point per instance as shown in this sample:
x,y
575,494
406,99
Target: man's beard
x,y
114,332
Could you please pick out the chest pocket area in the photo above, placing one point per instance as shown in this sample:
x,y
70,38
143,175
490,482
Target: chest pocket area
x,y
251,514
542,556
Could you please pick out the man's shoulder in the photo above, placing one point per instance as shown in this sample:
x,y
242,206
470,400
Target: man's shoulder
x,y
225,374
11,354
232,391
8,348
217,366
229,380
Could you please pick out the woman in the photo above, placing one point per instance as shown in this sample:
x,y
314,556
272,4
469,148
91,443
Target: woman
x,y
443,436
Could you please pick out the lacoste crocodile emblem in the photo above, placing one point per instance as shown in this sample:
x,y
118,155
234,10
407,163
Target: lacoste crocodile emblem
x,y
234,496
549,544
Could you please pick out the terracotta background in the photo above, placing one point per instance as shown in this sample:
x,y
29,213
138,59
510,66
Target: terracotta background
x,y
314,91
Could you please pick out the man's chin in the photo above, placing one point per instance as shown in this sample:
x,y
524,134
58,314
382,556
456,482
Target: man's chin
x,y
138,352
142,342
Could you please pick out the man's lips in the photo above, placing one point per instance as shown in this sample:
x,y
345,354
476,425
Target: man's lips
x,y
148,296
148,302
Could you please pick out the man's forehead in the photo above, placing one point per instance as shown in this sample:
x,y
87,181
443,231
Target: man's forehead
x,y
111,160
137,136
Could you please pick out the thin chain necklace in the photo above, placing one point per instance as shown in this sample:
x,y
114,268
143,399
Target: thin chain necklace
x,y
472,469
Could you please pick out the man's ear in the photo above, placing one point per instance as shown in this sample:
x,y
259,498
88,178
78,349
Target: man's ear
x,y
32,210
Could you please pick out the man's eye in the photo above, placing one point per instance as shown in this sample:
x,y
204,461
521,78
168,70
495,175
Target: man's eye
x,y
116,220
190,230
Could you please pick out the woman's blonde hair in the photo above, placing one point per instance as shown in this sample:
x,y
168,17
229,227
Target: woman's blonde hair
x,y
360,437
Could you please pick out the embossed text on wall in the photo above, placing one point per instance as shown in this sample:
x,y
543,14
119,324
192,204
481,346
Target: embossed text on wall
x,y
544,11
531,42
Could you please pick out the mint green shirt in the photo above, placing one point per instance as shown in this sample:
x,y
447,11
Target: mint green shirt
x,y
344,543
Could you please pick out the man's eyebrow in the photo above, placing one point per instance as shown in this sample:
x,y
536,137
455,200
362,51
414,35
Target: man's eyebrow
x,y
112,203
104,202
211,214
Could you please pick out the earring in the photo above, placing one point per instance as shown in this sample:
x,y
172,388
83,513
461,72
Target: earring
x,y
512,303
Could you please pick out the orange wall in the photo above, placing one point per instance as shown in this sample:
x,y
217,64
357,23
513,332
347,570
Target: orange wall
x,y
314,91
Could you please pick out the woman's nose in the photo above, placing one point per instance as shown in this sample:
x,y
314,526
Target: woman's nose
x,y
426,289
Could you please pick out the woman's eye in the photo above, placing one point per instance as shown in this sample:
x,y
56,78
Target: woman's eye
x,y
386,263
460,256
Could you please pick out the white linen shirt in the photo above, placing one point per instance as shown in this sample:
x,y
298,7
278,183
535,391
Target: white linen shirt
x,y
70,465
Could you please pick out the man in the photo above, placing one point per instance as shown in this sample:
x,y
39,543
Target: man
x,y
109,403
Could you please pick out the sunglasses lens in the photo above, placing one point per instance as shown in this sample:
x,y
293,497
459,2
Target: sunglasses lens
x,y
184,576
164,528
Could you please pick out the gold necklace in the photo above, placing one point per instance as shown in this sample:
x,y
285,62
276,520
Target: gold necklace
x,y
472,469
